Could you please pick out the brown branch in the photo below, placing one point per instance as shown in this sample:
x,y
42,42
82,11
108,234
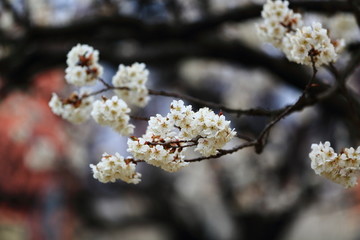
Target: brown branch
x,y
265,132
139,118
111,29
251,112
107,88
260,141
353,63
104,83
244,137
302,103
132,27
22,66
355,6
350,97
170,144
341,78
222,152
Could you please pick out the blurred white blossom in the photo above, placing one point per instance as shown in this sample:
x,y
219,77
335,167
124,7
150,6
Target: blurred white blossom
x,y
344,26
41,156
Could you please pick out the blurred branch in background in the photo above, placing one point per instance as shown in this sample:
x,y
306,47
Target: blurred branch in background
x,y
208,52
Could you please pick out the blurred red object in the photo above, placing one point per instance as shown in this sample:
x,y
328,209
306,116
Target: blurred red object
x,y
24,118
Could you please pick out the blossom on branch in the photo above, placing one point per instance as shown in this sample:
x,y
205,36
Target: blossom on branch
x,y
166,138
115,167
113,112
134,78
310,44
215,131
83,67
75,108
301,44
278,21
340,168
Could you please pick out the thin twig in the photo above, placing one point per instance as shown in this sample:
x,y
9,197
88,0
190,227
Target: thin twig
x,y
252,111
107,88
105,83
170,143
244,137
139,118
353,102
222,152
265,132
238,112
355,6
261,140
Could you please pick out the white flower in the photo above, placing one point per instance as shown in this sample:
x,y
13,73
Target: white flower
x,y
214,129
76,75
133,77
114,113
177,106
340,168
41,155
114,167
83,68
343,25
169,159
160,125
283,28
311,43
166,138
81,53
339,45
278,21
74,109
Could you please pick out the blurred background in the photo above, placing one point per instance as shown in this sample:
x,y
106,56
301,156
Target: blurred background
x,y
203,48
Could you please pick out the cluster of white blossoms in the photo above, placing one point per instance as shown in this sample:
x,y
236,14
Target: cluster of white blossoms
x,y
301,44
134,78
115,167
341,168
166,137
83,67
278,21
312,43
75,108
113,112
